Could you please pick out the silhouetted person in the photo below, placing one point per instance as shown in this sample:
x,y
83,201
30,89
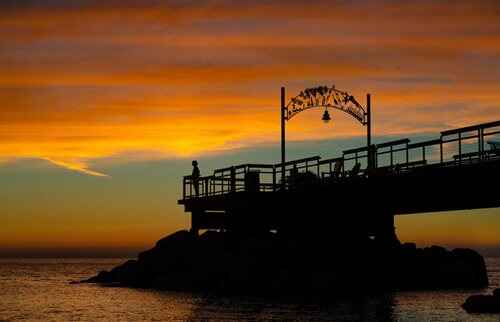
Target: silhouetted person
x,y
337,170
355,169
195,177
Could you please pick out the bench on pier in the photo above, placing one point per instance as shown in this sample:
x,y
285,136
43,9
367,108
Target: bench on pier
x,y
397,168
494,147
494,151
467,156
413,164
338,171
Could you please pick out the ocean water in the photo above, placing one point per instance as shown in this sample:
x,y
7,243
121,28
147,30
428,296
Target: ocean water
x,y
39,290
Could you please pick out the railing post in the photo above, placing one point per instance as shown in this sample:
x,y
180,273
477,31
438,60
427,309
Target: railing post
x,y
441,149
459,147
479,150
206,186
274,178
184,187
392,162
482,140
233,179
407,153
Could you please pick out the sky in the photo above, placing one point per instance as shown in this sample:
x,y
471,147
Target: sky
x,y
103,104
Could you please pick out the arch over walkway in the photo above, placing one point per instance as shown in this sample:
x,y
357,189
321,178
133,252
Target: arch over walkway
x,y
328,97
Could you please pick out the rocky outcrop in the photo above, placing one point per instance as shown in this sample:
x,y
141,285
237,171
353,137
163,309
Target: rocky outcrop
x,y
483,303
270,263
437,268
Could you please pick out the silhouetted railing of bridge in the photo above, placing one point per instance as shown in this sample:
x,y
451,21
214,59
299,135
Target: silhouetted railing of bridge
x,y
451,149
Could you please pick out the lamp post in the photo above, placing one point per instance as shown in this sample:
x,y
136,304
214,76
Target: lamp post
x,y
284,112
370,152
327,97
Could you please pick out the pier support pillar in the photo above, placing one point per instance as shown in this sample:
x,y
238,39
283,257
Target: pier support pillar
x,y
385,234
195,222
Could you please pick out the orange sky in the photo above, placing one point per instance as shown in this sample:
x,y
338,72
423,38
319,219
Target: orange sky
x,y
87,87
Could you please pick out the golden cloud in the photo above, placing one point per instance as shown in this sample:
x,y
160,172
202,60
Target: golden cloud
x,y
182,80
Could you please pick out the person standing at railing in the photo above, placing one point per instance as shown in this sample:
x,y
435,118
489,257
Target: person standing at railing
x,y
195,177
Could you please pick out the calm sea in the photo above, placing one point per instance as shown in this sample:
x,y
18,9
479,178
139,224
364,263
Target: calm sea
x,y
39,290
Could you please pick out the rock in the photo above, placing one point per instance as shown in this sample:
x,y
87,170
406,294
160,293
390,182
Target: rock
x,y
125,273
269,263
435,251
482,304
437,268
181,237
470,265
101,277
409,247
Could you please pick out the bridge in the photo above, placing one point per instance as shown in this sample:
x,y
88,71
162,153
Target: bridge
x,y
357,193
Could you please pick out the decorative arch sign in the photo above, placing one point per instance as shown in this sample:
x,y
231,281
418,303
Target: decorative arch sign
x,y
327,97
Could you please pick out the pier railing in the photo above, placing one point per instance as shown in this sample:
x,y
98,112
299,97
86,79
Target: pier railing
x,y
453,148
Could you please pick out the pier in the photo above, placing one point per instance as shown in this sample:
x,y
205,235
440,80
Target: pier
x,y
355,194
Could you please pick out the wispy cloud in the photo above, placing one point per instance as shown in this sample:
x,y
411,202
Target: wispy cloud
x,y
76,165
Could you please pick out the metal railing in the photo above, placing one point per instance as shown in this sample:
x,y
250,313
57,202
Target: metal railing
x,y
453,148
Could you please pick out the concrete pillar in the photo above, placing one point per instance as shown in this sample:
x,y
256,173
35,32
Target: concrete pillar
x,y
195,222
385,233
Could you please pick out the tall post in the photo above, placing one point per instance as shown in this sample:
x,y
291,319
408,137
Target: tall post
x,y
283,115
369,131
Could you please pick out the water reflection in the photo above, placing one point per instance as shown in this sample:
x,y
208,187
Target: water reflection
x,y
372,308
39,290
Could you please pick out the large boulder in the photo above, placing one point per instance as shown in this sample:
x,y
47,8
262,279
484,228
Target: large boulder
x,y
265,262
483,303
437,268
